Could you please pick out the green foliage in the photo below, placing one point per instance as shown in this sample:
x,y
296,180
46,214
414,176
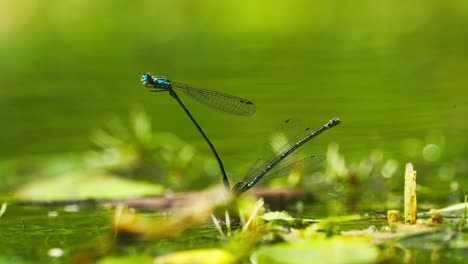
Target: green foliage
x,y
129,161
125,259
135,151
319,251
90,186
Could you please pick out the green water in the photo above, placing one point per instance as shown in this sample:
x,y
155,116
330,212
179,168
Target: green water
x,y
30,233
389,72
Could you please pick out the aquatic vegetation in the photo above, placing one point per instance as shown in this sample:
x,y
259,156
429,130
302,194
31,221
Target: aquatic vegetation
x,y
136,151
195,210
130,161
92,186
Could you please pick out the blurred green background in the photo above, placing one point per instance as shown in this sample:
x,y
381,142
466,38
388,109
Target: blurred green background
x,y
394,72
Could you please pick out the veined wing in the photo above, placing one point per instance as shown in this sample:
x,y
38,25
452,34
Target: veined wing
x,y
285,167
284,142
274,159
286,136
220,101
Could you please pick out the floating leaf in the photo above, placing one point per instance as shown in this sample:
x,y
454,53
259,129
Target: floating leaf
x,y
79,186
319,251
205,256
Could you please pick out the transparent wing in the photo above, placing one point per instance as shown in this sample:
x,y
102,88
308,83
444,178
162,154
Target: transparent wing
x,y
285,167
286,136
276,157
220,101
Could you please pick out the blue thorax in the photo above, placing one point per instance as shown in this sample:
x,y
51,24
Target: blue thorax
x,y
161,82
156,82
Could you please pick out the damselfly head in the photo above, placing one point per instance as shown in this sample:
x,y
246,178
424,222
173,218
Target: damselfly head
x,y
146,79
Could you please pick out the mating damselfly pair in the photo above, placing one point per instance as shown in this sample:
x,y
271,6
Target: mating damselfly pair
x,y
271,162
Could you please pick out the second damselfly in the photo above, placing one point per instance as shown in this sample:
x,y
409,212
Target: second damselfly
x,y
276,158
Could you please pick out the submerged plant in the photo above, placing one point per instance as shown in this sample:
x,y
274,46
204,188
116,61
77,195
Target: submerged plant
x,y
136,151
